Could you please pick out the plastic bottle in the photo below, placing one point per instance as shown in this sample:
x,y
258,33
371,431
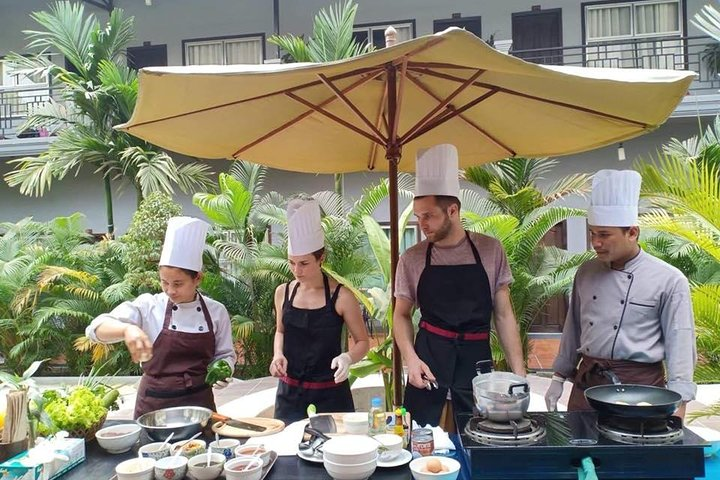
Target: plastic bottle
x,y
376,417
398,427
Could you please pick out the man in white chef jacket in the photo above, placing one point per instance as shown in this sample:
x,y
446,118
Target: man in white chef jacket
x,y
176,334
630,312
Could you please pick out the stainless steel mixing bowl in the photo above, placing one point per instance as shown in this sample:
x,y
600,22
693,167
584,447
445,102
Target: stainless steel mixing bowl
x,y
184,421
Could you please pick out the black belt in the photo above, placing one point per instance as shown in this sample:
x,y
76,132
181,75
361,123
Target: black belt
x,y
175,393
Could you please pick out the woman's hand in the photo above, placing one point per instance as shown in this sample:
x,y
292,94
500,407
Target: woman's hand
x,y
138,344
278,366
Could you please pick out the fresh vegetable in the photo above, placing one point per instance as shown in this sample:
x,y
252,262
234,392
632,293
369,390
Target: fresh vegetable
x,y
218,370
76,408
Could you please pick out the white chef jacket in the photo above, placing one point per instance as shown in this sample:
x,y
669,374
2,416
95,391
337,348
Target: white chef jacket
x,y
641,313
148,312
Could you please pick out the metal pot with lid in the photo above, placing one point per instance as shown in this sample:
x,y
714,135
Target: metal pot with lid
x,y
499,396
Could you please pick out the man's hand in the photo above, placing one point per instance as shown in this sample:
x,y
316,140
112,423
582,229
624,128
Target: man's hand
x,y
680,412
220,384
554,392
342,363
138,344
419,374
278,366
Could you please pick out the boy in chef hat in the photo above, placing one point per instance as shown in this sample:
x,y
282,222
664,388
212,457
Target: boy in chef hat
x,y
311,311
629,311
175,334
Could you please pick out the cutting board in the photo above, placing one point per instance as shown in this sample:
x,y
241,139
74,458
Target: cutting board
x,y
273,426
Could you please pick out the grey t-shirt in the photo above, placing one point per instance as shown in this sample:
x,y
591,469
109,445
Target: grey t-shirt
x,y
412,263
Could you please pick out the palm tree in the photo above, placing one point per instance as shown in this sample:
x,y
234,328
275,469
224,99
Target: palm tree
x,y
100,92
332,39
519,213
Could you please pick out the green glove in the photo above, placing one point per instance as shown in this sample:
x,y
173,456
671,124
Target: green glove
x,y
218,370
586,471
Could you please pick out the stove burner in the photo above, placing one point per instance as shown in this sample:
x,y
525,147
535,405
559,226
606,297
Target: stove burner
x,y
649,431
511,427
521,432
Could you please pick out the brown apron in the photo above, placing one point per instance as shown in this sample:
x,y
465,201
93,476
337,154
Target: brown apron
x,y
589,374
175,375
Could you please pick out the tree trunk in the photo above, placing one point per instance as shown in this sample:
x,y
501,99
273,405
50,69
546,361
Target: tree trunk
x,y
109,207
339,184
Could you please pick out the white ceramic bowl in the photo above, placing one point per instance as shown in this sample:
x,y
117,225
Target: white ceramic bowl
x,y
350,449
190,448
197,466
356,423
417,467
135,469
258,451
391,446
118,438
226,446
171,468
235,468
358,471
155,450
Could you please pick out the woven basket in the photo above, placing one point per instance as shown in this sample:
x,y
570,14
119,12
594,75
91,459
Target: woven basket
x,y
88,433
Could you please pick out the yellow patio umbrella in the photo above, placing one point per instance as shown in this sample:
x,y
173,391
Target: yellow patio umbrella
x,y
375,111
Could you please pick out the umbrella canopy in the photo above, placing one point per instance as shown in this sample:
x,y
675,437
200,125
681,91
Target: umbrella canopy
x,y
351,115
451,88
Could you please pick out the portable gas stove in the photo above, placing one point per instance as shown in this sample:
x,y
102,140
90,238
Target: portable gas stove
x,y
551,445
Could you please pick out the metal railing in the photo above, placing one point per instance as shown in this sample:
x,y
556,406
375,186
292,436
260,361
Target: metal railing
x,y
699,53
17,103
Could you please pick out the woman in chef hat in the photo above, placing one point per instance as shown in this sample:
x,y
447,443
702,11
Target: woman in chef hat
x,y
310,312
175,334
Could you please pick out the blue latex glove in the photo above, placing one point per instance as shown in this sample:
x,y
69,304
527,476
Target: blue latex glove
x,y
586,471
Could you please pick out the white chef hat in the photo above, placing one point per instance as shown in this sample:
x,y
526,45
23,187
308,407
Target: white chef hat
x,y
184,243
436,171
614,198
305,233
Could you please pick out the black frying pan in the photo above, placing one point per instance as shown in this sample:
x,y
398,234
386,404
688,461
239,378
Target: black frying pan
x,y
622,400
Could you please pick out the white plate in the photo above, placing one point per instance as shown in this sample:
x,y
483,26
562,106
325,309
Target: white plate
x,y
401,459
310,458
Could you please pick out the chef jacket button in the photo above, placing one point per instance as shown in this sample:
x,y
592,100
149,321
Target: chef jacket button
x,y
629,276
591,324
198,309
174,327
175,307
614,327
587,349
594,297
200,328
622,302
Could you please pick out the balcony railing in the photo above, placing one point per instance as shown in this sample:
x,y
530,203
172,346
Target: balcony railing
x,y
674,53
17,103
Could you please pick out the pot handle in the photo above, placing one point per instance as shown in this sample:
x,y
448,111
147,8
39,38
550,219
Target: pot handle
x,y
609,374
525,388
483,366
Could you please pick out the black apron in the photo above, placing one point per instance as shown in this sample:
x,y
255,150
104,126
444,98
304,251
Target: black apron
x,y
175,375
455,298
312,340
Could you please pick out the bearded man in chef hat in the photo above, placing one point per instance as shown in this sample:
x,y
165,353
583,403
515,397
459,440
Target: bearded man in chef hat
x,y
176,334
629,312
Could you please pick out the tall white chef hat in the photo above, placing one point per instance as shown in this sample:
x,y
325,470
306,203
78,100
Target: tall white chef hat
x,y
614,198
184,243
305,233
436,171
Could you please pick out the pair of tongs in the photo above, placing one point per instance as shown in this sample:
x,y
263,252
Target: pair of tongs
x,y
312,441
431,384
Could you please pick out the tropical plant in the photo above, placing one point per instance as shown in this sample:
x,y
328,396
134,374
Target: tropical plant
x,y
331,40
519,213
98,92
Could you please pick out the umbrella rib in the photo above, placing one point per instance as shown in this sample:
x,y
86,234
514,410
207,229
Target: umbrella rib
x,y
533,97
450,114
477,127
349,104
285,125
380,118
334,118
442,104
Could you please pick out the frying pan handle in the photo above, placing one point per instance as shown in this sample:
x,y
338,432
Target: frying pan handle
x,y
525,388
609,374
483,366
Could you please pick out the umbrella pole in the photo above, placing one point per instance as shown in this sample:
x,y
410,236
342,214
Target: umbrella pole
x,y
397,372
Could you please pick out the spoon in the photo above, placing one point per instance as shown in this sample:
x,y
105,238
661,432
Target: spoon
x,y
251,463
180,445
207,465
169,437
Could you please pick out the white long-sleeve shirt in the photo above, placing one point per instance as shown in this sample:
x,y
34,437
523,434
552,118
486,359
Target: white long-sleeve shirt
x,y
148,312
641,313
